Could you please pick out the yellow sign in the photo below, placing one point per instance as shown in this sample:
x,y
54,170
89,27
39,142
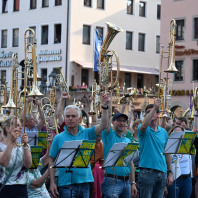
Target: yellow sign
x,y
42,139
36,155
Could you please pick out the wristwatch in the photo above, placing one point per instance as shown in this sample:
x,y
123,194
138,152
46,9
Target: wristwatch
x,y
133,182
169,171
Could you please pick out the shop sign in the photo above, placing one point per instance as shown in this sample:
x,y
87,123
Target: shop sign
x,y
50,58
4,55
180,92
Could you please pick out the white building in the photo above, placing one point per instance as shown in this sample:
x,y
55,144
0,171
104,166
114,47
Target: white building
x,y
65,37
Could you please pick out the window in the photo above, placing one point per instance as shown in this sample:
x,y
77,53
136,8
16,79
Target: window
x,y
16,5
31,38
140,80
179,75
57,33
4,34
127,80
87,3
100,4
45,3
44,35
158,12
195,69
129,40
33,4
58,2
3,77
141,42
15,38
100,30
180,29
157,44
195,28
4,6
130,6
86,34
142,9
85,77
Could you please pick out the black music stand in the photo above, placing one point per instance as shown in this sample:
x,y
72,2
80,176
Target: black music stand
x,y
179,143
32,138
120,155
74,154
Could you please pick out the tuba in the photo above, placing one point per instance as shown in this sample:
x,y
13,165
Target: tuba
x,y
105,60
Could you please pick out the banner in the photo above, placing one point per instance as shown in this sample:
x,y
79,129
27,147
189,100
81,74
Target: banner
x,y
98,45
36,155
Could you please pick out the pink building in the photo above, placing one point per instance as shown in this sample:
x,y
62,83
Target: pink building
x,y
186,49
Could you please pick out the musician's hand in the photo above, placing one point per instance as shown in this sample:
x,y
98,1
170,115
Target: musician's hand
x,y
157,103
24,139
49,137
105,99
170,179
65,95
133,190
53,190
29,99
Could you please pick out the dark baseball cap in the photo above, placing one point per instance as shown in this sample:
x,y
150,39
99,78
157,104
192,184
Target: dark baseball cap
x,y
117,115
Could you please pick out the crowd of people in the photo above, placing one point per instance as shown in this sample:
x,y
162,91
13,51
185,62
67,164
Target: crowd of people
x,y
149,175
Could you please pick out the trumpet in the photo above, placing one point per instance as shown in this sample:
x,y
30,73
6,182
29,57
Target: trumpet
x,y
60,80
105,60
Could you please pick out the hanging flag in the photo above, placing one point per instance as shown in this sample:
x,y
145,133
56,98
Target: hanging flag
x,y
98,45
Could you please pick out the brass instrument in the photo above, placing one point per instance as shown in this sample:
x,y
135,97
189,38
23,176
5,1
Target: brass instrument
x,y
172,36
60,80
195,99
10,104
3,92
105,60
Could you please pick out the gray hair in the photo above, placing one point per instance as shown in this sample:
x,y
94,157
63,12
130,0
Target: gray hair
x,y
73,107
28,116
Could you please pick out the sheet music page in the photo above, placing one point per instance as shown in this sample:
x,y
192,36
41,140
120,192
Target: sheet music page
x,y
173,142
33,138
67,153
114,154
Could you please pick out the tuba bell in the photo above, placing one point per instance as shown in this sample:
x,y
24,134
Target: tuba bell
x,y
105,60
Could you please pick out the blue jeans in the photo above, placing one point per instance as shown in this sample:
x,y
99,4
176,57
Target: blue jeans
x,y
183,188
116,187
151,183
77,190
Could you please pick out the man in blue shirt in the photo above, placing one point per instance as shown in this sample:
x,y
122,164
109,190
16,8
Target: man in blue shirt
x,y
153,163
79,183
116,182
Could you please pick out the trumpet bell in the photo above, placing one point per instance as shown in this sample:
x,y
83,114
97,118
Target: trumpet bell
x,y
35,92
9,105
172,69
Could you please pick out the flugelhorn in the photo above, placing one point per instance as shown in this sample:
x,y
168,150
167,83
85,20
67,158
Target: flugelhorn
x,y
105,60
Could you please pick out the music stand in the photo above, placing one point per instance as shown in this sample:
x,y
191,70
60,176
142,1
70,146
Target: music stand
x,y
32,138
120,155
179,143
74,154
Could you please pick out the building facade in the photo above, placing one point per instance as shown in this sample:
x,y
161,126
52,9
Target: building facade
x,y
65,34
186,49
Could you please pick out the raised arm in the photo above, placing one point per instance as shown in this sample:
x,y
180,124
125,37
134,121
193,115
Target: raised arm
x,y
60,107
105,115
41,121
149,115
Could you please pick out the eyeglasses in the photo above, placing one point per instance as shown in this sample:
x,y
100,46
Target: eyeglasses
x,y
119,121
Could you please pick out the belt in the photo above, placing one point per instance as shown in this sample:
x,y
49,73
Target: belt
x,y
141,168
184,176
123,178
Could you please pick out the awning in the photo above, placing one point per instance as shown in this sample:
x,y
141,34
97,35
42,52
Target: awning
x,y
123,68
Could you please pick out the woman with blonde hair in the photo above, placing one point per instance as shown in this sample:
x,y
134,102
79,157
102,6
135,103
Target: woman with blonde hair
x,y
14,160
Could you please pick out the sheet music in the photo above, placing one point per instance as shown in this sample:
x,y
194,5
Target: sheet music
x,y
173,142
67,152
132,156
114,154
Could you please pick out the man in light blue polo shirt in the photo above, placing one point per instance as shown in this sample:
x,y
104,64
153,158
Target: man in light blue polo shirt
x,y
73,131
116,181
153,163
